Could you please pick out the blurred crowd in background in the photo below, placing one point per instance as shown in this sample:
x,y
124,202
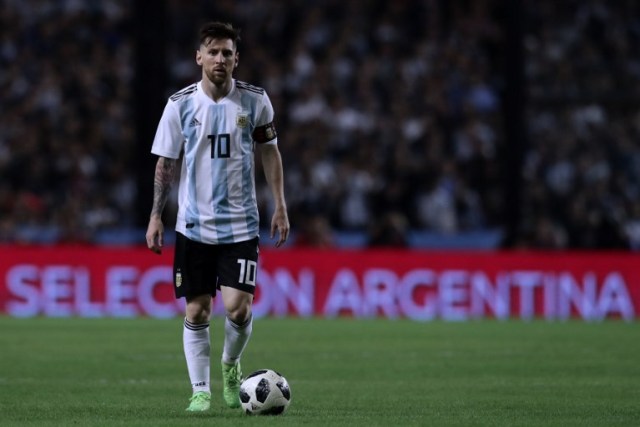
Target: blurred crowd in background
x,y
390,117
582,169
66,130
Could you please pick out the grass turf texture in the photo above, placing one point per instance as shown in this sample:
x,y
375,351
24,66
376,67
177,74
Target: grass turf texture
x,y
342,372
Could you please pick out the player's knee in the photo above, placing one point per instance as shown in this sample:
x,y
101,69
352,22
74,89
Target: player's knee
x,y
198,310
239,314
198,315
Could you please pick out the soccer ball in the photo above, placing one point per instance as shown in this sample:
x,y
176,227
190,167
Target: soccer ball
x,y
265,392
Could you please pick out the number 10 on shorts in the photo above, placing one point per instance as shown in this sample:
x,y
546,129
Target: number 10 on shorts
x,y
248,270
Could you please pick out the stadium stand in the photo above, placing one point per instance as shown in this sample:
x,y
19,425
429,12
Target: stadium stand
x,y
582,168
390,116
65,127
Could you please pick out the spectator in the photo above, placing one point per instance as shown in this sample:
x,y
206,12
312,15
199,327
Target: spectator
x,y
386,106
65,72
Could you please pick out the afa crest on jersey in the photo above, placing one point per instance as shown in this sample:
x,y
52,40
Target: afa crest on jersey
x,y
242,120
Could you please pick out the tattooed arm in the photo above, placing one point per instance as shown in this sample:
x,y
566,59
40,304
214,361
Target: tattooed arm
x,y
165,172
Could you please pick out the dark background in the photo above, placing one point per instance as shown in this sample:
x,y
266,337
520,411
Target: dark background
x,y
431,124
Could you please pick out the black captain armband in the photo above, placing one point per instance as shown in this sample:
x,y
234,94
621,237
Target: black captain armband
x,y
265,133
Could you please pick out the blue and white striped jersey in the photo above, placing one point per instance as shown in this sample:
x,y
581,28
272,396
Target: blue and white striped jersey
x,y
217,195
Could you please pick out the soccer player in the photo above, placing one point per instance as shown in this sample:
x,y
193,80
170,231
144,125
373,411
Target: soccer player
x,y
216,124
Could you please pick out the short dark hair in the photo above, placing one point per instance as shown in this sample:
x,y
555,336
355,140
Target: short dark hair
x,y
219,30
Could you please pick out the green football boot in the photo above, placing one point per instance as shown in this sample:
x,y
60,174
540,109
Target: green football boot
x,y
200,402
231,379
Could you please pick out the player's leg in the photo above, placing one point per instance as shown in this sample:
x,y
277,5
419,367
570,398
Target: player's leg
x,y
237,332
194,279
237,280
238,323
197,350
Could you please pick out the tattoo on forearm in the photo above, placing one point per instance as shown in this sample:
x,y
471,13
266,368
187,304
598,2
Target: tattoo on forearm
x,y
165,171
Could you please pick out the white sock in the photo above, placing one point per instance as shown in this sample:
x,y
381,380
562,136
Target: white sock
x,y
197,349
236,338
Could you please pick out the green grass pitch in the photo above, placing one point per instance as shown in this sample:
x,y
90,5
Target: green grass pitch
x,y
342,372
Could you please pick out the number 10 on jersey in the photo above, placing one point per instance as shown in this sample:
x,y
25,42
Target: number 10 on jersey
x,y
220,146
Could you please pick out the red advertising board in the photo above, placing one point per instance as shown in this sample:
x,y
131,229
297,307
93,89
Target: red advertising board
x,y
421,285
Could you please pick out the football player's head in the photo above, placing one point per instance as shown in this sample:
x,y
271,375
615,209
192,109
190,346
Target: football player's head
x,y
217,52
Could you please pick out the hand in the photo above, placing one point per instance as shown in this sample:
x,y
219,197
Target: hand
x,y
155,235
280,223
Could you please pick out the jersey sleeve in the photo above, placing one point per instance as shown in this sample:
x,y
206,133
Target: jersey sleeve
x,y
265,130
169,139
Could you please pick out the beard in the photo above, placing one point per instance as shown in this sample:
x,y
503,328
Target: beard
x,y
216,77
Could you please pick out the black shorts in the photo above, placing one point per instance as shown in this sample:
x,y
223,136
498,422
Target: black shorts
x,y
200,269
